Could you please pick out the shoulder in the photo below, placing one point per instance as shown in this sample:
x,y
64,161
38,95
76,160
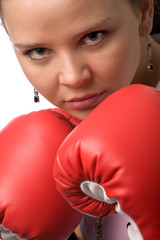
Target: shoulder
x,y
158,85
156,37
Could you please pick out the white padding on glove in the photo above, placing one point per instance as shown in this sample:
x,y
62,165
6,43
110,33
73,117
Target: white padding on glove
x,y
96,191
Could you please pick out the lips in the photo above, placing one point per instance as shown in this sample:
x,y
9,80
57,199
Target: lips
x,y
85,102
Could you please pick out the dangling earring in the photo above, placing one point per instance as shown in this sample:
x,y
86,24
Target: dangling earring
x,y
150,65
36,96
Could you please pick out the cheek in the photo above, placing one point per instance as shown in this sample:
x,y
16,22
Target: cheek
x,y
42,78
119,63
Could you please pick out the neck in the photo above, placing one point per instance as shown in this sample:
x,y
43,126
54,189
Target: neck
x,y
142,75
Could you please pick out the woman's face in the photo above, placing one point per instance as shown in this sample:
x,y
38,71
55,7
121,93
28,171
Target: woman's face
x,y
75,53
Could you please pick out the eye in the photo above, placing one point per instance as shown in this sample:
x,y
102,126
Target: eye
x,y
93,38
38,53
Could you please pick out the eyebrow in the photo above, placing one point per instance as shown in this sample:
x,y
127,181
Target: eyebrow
x,y
92,27
29,45
95,26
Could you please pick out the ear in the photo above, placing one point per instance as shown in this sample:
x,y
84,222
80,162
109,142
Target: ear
x,y
147,11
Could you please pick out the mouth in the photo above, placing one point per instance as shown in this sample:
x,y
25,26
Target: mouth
x,y
85,102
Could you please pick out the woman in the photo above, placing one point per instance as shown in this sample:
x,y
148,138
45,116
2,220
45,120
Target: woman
x,y
76,53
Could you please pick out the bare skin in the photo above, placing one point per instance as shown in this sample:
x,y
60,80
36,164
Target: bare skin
x,y
76,53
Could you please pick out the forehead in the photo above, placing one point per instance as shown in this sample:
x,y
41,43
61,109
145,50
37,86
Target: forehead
x,y
37,16
54,7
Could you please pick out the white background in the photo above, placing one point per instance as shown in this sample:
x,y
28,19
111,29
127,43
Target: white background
x,y
16,93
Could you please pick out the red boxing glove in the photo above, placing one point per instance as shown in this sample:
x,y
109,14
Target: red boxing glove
x,y
30,205
113,157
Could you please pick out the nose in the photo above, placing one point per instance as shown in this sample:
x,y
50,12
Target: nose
x,y
74,71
